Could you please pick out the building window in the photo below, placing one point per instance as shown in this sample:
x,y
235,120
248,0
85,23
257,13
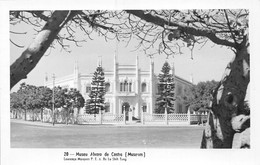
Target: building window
x,y
107,87
121,87
144,107
130,87
107,107
125,86
144,87
88,89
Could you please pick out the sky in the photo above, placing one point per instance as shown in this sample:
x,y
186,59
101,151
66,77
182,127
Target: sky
x,y
208,62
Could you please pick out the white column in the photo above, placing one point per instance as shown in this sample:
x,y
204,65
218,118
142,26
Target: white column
x,y
76,76
137,111
137,76
115,106
151,89
188,114
137,87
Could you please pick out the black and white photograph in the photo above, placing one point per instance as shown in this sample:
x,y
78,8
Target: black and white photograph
x,y
126,84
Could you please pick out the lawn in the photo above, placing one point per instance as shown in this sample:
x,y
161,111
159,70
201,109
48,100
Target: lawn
x,y
27,135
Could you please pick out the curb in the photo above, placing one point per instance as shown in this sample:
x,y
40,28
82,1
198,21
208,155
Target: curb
x,y
99,125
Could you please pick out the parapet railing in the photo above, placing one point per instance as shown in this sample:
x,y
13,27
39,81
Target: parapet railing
x,y
108,118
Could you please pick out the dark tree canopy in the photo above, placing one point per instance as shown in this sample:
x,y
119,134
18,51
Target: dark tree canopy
x,y
33,98
198,97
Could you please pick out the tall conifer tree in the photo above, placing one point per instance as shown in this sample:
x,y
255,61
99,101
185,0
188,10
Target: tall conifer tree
x,y
166,93
97,93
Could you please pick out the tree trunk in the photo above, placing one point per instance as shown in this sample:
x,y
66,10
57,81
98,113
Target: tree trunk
x,y
74,118
228,116
32,55
66,110
25,115
33,114
41,114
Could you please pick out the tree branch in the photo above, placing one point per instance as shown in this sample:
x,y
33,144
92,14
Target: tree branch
x,y
39,14
93,23
160,21
228,23
16,44
32,55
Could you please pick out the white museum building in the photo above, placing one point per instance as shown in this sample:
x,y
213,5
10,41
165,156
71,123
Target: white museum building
x,y
128,87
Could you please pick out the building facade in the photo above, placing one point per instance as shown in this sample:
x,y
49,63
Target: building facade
x,y
128,88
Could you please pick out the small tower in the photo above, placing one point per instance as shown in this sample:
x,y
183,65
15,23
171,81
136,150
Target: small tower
x,y
137,90
151,109
76,68
99,62
191,78
46,79
137,75
115,100
76,75
115,71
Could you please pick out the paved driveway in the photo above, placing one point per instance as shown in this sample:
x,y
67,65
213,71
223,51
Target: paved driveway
x,y
42,135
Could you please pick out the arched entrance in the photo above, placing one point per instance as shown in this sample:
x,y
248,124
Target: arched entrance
x,y
126,108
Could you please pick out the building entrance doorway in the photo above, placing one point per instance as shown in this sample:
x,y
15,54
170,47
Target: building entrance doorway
x,y
126,108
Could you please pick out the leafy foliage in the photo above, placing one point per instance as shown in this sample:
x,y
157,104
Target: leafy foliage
x,y
45,97
68,99
28,96
34,98
15,101
97,93
199,96
166,93
73,98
